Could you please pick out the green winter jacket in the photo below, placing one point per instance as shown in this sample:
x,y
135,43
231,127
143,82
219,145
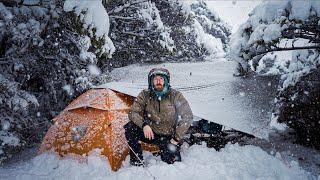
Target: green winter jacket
x,y
163,115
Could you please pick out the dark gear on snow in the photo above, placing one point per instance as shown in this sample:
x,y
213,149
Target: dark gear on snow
x,y
169,152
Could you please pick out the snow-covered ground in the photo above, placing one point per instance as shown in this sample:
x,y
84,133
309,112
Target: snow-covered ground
x,y
199,162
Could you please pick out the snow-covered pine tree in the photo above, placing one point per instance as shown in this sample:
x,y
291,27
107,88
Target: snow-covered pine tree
x,y
166,30
275,26
46,59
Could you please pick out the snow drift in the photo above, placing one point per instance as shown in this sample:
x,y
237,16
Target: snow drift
x,y
198,162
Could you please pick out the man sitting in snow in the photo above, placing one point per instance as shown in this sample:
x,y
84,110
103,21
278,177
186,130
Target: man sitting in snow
x,y
160,115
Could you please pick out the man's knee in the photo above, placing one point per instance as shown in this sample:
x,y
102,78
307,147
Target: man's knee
x,y
131,130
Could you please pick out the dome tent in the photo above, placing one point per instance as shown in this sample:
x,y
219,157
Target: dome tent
x,y
92,121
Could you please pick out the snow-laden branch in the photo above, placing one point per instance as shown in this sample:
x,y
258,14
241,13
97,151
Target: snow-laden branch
x,y
95,20
270,24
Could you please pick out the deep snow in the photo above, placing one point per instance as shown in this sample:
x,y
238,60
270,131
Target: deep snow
x,y
199,162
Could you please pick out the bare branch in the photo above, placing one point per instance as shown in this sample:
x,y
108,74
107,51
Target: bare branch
x,y
124,6
311,38
287,49
133,34
4,62
9,3
122,17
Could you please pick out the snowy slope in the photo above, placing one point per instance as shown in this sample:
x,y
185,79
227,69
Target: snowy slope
x,y
199,162
212,91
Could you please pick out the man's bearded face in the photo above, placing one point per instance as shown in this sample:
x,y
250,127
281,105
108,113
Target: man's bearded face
x,y
158,82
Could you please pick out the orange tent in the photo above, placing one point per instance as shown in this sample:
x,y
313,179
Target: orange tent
x,y
93,120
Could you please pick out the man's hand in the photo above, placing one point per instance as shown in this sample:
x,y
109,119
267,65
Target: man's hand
x,y
172,141
148,133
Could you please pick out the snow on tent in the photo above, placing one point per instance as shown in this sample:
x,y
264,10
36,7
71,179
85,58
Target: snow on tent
x,y
92,121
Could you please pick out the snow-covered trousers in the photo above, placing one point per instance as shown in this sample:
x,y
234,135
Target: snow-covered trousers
x,y
169,152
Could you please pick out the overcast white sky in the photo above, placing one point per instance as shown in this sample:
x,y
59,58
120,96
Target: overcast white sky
x,y
234,12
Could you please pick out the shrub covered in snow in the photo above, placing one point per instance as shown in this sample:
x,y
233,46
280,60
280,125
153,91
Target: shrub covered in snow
x,y
46,60
276,26
299,107
282,26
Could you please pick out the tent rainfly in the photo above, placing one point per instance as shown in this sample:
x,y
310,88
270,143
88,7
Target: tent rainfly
x,y
94,120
